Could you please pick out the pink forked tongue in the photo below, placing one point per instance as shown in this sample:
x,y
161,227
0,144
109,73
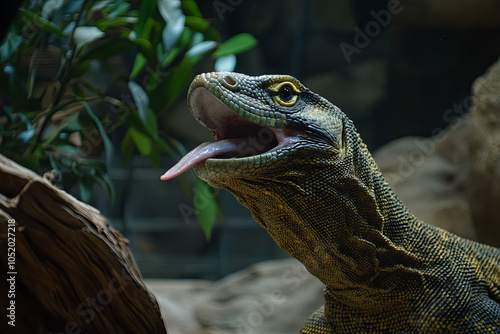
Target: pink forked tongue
x,y
235,148
201,153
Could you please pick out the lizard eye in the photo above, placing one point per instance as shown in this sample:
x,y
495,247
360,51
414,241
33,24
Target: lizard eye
x,y
286,94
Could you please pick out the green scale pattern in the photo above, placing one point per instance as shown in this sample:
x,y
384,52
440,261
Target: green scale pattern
x,y
325,201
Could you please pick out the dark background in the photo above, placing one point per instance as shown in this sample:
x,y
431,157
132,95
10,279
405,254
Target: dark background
x,y
410,63
401,82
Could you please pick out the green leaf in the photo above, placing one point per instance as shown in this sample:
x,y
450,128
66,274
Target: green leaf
x,y
235,45
169,10
110,184
197,23
105,182
121,9
151,122
134,120
179,49
106,48
85,188
9,46
196,53
26,135
67,149
141,140
49,8
206,206
108,145
151,28
114,22
196,39
146,48
81,68
30,83
53,164
174,18
139,63
172,32
41,23
71,7
212,34
165,146
86,35
73,124
155,155
78,90
127,148
191,7
225,63
145,13
140,97
169,89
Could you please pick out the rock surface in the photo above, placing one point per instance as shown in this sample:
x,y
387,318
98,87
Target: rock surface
x,y
272,297
452,179
429,176
483,182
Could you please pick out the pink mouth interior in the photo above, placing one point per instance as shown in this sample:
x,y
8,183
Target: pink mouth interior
x,y
223,148
236,137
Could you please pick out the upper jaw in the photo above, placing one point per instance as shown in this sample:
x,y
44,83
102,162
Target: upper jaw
x,y
226,124
238,92
244,139
223,121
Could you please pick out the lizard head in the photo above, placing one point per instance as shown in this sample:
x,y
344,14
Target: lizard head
x,y
257,123
295,160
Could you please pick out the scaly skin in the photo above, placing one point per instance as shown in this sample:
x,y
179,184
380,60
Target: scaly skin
x,y
322,198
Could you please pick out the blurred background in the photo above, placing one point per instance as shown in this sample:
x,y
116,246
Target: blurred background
x,y
114,94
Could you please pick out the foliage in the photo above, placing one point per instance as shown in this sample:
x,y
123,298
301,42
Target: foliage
x,y
52,117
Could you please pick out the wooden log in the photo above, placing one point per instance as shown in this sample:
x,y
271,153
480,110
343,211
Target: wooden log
x,y
71,272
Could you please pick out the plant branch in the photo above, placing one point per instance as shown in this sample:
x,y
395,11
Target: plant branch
x,y
63,76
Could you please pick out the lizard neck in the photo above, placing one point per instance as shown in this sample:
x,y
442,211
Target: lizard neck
x,y
337,216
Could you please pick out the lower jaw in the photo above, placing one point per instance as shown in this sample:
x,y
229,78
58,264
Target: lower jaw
x,y
215,171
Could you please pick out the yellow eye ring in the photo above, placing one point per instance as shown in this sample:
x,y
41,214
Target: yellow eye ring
x,y
286,94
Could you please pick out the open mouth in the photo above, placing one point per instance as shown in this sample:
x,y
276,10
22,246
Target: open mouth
x,y
235,136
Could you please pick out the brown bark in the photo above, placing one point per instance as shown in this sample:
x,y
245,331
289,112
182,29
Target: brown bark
x,y
74,272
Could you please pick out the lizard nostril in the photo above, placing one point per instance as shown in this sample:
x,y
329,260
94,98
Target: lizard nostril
x,y
230,80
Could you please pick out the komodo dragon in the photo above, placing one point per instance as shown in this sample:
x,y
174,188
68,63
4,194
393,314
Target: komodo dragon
x,y
297,162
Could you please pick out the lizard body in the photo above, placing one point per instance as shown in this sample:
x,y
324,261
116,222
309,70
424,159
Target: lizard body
x,y
298,164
